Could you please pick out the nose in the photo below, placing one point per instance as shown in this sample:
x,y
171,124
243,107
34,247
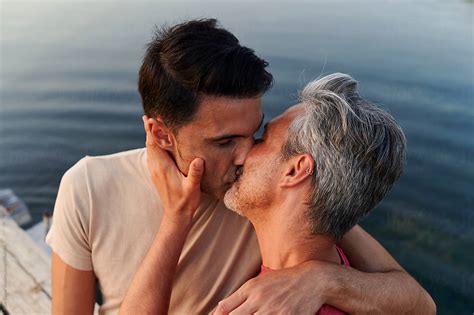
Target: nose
x,y
242,150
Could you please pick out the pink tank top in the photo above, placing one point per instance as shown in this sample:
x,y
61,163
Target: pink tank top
x,y
325,309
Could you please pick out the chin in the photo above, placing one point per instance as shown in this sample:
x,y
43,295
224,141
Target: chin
x,y
219,192
216,192
230,202
222,191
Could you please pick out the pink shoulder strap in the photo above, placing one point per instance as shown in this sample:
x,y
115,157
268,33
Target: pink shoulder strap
x,y
343,257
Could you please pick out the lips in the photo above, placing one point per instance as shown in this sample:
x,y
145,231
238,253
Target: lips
x,y
238,173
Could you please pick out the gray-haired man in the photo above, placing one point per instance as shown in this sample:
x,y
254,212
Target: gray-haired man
x,y
319,167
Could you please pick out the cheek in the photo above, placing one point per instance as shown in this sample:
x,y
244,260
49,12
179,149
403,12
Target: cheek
x,y
219,165
218,162
254,160
188,150
259,169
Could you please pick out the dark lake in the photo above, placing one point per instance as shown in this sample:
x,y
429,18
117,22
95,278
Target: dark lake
x,y
68,89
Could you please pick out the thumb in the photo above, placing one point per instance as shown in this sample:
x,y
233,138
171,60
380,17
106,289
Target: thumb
x,y
196,169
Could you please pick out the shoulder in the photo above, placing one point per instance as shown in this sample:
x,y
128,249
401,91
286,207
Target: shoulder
x,y
131,160
92,173
109,166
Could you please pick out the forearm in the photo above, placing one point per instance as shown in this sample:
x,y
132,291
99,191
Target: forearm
x,y
380,284
365,253
150,290
393,292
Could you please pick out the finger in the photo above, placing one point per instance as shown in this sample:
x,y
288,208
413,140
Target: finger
x,y
230,303
196,169
223,309
244,309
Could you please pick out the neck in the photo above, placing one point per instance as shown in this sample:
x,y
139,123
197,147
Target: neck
x,y
285,242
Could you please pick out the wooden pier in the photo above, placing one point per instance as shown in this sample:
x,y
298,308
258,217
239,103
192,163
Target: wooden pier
x,y
25,271
25,281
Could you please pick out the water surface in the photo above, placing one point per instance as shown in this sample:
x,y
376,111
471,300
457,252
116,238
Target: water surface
x,y
68,88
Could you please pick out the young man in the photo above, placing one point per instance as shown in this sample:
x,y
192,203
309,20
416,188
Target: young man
x,y
204,89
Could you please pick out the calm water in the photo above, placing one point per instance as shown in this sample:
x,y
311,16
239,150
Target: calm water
x,y
68,88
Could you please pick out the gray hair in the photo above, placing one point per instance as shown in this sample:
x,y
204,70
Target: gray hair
x,y
359,152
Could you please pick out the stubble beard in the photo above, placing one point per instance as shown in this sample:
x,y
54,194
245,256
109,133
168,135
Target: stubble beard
x,y
244,200
230,200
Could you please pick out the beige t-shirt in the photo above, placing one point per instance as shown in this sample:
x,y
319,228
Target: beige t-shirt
x,y
107,214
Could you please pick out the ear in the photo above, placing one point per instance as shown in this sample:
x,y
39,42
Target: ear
x,y
299,168
161,134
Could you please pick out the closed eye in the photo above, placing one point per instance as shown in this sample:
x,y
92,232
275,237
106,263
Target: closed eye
x,y
225,144
258,140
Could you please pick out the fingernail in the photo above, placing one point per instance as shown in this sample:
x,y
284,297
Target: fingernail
x,y
199,163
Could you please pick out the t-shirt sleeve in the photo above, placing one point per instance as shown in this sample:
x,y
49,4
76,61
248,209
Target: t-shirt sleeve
x,y
69,233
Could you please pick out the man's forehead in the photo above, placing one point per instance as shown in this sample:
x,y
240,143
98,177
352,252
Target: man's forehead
x,y
287,117
295,110
222,114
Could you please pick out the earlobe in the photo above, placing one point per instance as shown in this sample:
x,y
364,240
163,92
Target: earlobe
x,y
161,134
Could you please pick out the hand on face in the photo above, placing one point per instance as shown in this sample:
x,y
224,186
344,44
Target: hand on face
x,y
180,194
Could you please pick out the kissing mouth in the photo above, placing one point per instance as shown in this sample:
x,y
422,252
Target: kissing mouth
x,y
238,173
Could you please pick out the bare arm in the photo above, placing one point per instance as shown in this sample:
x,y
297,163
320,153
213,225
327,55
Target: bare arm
x,y
366,254
73,290
381,286
150,290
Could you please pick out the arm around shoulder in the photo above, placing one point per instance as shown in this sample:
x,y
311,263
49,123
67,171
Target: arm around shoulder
x,y
380,284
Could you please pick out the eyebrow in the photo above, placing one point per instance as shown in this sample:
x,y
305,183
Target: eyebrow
x,y
230,136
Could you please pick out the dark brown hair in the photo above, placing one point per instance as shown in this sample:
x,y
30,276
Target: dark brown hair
x,y
192,59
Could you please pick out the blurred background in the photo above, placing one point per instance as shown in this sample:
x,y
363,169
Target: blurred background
x,y
68,74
